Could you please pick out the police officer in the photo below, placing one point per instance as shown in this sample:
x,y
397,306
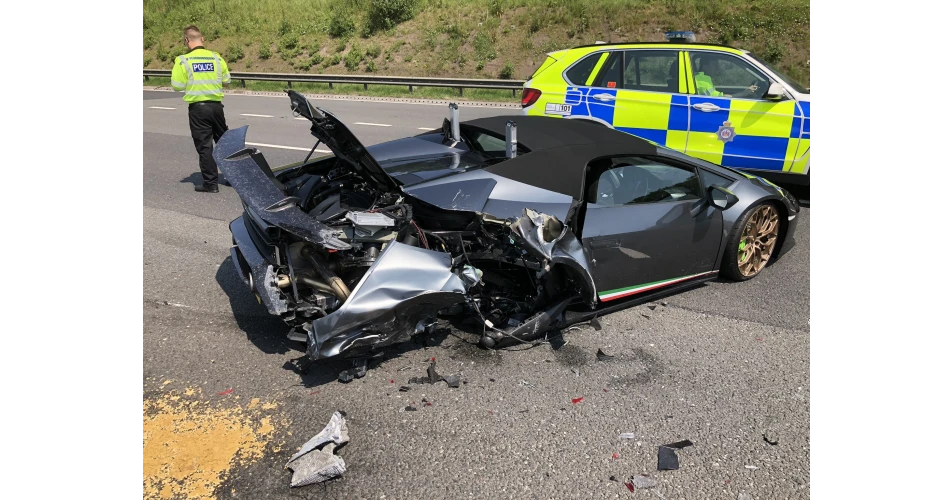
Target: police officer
x,y
705,86
201,73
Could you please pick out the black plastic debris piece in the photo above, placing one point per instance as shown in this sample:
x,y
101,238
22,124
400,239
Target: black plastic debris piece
x,y
646,316
410,408
680,444
299,365
358,371
452,380
667,459
664,304
652,307
612,478
601,356
431,373
492,380
524,411
773,442
557,342
596,324
404,388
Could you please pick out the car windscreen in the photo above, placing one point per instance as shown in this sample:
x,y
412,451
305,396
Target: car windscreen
x,y
785,77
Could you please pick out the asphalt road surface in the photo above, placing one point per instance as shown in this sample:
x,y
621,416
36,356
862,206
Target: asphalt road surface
x,y
721,365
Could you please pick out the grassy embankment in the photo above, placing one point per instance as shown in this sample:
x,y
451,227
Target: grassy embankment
x,y
462,38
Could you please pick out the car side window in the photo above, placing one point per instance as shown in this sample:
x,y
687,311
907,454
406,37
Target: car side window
x,y
610,75
635,180
652,70
728,74
579,73
709,179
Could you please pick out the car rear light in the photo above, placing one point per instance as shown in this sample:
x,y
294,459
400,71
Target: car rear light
x,y
530,96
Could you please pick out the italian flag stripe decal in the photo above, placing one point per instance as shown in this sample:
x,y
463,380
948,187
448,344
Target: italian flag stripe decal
x,y
624,292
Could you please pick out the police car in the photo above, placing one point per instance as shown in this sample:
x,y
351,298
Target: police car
x,y
713,102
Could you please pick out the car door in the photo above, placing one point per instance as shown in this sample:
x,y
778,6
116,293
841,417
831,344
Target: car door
x,y
739,129
652,102
638,227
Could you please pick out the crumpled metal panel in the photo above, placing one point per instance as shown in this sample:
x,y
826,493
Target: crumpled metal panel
x,y
263,197
531,230
569,251
402,288
262,273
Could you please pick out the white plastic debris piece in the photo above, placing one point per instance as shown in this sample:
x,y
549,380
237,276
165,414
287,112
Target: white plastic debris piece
x,y
642,482
316,462
751,467
627,435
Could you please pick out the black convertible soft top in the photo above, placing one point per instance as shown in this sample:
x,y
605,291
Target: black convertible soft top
x,y
560,149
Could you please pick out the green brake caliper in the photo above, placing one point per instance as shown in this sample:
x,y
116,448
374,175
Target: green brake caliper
x,y
743,245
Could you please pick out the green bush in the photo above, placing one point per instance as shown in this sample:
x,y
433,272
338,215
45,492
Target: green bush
x,y
353,59
162,53
480,66
385,14
333,60
264,51
341,26
341,46
148,41
146,62
506,72
284,28
373,51
234,52
371,67
289,41
316,59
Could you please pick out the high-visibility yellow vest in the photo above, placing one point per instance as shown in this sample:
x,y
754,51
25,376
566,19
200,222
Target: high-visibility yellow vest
x,y
200,73
705,86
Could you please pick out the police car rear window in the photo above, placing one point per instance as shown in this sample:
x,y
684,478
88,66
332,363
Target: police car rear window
x,y
579,73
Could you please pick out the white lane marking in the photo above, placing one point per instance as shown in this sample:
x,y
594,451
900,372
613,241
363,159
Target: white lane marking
x,y
305,119
159,107
373,124
421,102
286,147
424,128
257,116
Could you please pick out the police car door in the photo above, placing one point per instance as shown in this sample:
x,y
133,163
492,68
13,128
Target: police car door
x,y
743,131
652,101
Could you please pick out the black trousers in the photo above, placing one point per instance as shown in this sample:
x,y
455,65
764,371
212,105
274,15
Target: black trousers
x,y
207,122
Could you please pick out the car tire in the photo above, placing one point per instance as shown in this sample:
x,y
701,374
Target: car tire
x,y
752,243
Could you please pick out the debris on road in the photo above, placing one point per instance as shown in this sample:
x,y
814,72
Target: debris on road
x,y
641,482
744,496
627,435
652,307
667,458
576,401
310,466
601,356
404,388
358,371
751,467
452,380
576,372
410,408
771,442
595,324
229,391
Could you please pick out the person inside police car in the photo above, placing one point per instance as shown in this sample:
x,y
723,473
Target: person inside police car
x,y
709,69
202,74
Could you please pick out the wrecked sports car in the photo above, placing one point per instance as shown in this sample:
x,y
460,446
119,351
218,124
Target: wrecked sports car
x,y
526,230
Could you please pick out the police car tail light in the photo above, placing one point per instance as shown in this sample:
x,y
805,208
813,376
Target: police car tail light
x,y
530,96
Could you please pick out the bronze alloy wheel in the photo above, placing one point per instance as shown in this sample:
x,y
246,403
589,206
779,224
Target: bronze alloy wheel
x,y
758,240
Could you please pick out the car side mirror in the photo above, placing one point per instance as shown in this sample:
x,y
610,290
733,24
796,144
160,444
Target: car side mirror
x,y
721,198
774,92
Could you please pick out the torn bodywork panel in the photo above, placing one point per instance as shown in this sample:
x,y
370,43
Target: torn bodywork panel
x,y
398,296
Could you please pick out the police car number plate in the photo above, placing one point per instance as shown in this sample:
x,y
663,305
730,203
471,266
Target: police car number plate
x,y
558,109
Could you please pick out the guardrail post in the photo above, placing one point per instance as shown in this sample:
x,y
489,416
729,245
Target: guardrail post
x,y
330,85
289,85
365,86
411,89
514,92
461,91
146,77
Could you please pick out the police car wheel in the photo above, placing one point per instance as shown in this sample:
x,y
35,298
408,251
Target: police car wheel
x,y
751,243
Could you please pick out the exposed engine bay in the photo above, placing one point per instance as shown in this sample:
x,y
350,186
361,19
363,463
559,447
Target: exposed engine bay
x,y
501,277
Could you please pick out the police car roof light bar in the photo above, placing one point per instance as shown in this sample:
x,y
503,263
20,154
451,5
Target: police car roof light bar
x,y
680,36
